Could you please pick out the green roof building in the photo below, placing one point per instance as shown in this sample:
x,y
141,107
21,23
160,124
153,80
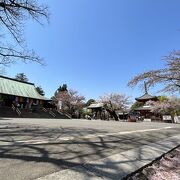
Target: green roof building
x,y
12,90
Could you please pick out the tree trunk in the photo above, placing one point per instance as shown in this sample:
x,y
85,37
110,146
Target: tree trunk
x,y
113,113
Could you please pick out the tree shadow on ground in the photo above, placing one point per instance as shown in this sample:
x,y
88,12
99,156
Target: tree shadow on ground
x,y
23,144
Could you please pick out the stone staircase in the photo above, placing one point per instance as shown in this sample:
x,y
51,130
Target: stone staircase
x,y
8,112
60,115
34,113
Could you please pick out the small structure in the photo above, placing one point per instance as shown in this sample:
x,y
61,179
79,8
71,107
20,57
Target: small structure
x,y
98,110
123,115
20,94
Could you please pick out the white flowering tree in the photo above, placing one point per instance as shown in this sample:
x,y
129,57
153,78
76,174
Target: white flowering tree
x,y
71,100
168,106
113,102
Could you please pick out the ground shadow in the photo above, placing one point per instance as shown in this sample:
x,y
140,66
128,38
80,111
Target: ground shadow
x,y
27,144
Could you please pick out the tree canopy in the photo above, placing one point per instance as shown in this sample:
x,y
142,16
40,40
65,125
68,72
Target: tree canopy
x,y
70,99
21,77
167,106
136,105
40,90
62,88
168,76
113,102
13,15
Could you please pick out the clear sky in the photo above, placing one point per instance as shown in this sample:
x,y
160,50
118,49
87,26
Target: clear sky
x,y
97,46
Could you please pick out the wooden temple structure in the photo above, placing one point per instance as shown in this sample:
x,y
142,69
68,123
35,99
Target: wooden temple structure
x,y
21,99
20,94
145,110
98,111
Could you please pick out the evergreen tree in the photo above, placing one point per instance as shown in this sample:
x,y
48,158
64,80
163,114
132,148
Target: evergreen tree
x,y
62,88
21,77
40,90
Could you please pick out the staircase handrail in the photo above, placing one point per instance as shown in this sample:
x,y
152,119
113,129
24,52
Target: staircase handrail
x,y
60,112
13,107
52,114
44,109
64,113
16,109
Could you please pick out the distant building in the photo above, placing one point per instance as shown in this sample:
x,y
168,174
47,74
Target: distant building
x,y
98,111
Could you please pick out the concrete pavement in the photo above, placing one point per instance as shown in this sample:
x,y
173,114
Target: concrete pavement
x,y
119,165
34,148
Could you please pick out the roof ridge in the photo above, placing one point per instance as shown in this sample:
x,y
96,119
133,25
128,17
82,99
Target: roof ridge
x,y
5,77
22,89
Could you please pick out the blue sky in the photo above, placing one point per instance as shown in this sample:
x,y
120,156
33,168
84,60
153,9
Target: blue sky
x,y
97,46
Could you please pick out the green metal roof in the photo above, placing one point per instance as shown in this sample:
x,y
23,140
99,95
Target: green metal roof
x,y
13,87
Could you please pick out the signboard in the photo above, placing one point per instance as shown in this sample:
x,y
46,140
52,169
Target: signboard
x,y
167,118
147,120
60,104
177,119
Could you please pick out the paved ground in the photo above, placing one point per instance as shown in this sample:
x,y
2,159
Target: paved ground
x,y
34,148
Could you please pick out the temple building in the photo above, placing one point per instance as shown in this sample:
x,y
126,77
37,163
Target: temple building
x,y
98,111
18,93
21,99
145,110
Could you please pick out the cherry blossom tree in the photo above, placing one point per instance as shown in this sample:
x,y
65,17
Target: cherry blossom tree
x,y
168,76
71,100
113,102
168,106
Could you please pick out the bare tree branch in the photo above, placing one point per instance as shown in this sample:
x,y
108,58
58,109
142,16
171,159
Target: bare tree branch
x,y
9,55
13,14
169,76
